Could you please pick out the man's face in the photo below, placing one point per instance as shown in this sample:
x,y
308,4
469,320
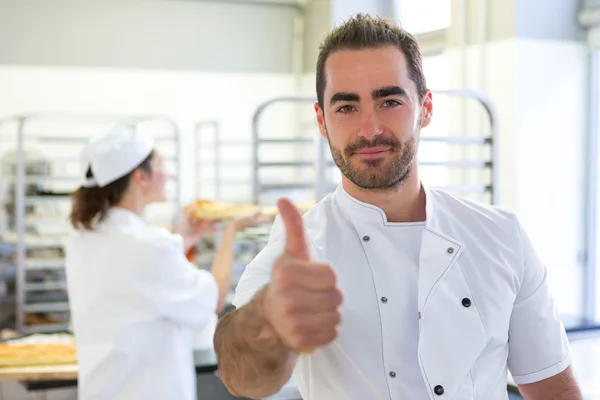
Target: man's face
x,y
372,116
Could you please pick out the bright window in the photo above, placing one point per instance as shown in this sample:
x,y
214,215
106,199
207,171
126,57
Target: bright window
x,y
420,16
594,252
597,248
436,69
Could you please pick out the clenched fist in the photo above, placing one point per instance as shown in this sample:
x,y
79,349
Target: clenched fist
x,y
302,301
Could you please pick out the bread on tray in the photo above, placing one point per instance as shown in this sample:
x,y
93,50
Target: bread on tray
x,y
38,350
217,210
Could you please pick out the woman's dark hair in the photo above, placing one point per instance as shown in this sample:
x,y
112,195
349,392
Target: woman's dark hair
x,y
91,204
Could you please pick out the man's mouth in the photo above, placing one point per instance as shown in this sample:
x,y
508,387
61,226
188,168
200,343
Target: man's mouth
x,y
373,152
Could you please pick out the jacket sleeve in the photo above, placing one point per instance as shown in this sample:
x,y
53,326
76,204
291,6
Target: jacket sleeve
x,y
538,344
177,289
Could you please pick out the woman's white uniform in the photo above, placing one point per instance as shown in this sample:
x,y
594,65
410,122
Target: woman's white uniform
x,y
135,299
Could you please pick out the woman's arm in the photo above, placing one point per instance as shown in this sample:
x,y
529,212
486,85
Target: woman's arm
x,y
222,266
193,230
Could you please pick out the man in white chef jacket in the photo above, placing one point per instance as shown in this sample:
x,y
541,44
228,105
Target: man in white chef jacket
x,y
388,289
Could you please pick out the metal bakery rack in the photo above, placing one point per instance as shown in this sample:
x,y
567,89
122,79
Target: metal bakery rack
x,y
222,172
221,166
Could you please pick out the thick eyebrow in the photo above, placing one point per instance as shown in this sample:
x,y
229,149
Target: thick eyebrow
x,y
388,91
376,94
344,96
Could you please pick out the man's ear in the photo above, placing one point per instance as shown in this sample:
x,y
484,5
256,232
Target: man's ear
x,y
321,119
427,109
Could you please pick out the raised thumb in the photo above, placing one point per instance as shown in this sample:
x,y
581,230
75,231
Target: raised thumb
x,y
296,243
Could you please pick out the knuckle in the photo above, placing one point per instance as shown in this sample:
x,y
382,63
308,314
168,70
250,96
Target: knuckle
x,y
332,299
329,273
336,297
337,318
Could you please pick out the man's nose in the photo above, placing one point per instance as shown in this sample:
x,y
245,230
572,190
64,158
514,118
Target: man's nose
x,y
370,126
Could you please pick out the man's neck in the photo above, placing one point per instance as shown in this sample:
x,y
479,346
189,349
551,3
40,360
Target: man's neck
x,y
403,204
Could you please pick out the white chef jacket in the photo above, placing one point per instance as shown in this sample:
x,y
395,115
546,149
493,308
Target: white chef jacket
x,y
135,301
483,302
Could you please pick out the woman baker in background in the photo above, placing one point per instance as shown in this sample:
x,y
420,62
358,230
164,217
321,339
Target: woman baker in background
x,y
135,299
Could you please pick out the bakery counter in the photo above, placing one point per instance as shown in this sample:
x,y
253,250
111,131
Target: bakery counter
x,y
38,357
39,373
63,376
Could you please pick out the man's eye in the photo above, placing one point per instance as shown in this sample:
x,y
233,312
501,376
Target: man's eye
x,y
391,103
345,109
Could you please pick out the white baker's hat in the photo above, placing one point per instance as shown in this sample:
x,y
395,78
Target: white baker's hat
x,y
115,154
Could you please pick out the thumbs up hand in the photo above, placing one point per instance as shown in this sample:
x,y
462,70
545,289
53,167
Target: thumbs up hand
x,y
302,301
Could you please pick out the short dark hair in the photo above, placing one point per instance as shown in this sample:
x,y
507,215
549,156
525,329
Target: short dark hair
x,y
91,204
366,32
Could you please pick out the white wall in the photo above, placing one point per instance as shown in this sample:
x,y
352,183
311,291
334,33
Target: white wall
x,y
147,34
542,126
551,116
317,23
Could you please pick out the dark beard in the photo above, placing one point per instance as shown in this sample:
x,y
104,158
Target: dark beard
x,y
377,175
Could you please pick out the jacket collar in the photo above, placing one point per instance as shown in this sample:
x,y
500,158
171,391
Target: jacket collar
x,y
358,210
121,217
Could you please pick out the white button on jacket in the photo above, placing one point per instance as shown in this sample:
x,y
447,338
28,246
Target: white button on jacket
x,y
135,301
483,303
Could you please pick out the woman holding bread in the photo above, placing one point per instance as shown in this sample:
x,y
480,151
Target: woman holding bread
x,y
135,299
